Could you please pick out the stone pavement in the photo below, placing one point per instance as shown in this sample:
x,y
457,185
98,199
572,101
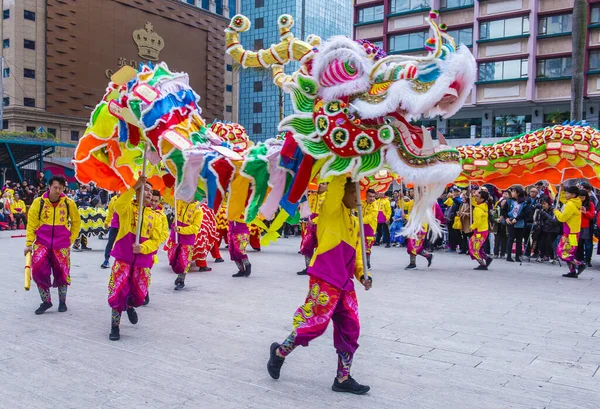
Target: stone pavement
x,y
445,337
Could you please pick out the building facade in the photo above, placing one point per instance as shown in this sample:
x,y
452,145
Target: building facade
x,y
262,104
59,55
523,52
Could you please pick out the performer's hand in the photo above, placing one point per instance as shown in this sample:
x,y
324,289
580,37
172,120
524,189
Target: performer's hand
x,y
367,283
137,248
28,250
140,182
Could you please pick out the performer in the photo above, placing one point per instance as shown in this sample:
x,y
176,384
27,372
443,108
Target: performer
x,y
238,238
384,213
415,247
189,219
570,217
222,223
309,236
130,274
254,236
206,239
53,227
157,205
370,211
480,230
112,224
331,295
19,210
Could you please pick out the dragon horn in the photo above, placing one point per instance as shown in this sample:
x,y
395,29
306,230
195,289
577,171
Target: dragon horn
x,y
288,49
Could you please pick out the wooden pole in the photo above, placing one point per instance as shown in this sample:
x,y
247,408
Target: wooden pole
x,y
363,247
141,199
562,180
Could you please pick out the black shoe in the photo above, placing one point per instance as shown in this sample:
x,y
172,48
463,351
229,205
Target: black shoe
x,y
589,264
239,274
368,265
580,269
62,307
219,260
275,361
132,315
147,299
302,273
105,265
204,269
114,334
570,275
256,249
510,260
43,308
429,260
488,261
519,260
411,266
86,248
180,285
248,270
462,252
350,386
480,267
387,246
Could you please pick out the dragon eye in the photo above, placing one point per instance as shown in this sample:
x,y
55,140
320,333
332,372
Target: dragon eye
x,y
350,68
338,72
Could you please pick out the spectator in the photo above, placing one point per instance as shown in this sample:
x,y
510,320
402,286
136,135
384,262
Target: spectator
x,y
41,182
500,216
586,244
397,222
464,212
453,203
550,229
383,215
19,211
516,224
590,190
531,235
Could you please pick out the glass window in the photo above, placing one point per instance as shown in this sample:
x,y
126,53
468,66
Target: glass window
x,y
4,124
257,128
74,135
5,101
504,28
450,4
228,108
30,129
52,131
555,24
259,3
29,44
378,44
595,15
370,14
229,67
594,60
229,88
398,6
410,41
257,107
259,22
28,73
461,128
503,70
29,15
462,36
6,13
29,102
6,72
259,44
6,43
510,125
258,86
554,67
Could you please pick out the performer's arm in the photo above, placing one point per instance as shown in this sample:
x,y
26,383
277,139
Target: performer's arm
x,y
156,237
75,220
565,214
332,204
33,221
123,203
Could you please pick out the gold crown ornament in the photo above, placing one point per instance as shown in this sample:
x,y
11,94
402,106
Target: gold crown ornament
x,y
149,43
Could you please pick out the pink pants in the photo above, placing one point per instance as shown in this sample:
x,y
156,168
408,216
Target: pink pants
x,y
238,238
180,257
415,246
476,243
46,263
128,285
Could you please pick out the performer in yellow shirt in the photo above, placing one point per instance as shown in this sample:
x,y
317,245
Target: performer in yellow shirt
x,y
570,217
480,230
384,212
331,296
370,211
19,210
52,229
309,243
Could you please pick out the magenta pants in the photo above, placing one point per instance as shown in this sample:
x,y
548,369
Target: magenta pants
x,y
46,263
128,285
180,257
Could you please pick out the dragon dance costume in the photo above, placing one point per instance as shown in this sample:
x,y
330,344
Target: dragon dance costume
x,y
130,274
179,251
51,230
206,239
309,240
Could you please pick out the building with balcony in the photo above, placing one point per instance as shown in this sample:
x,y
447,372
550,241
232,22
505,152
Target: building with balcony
x,y
261,102
523,52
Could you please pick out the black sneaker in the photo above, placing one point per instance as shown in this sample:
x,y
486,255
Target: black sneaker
x,y
302,273
350,386
480,267
519,260
204,269
488,261
180,285
410,267
62,307
43,308
132,315
275,361
387,246
256,248
570,275
219,260
114,334
105,265
429,260
580,268
589,264
248,270
86,248
510,260
147,299
239,274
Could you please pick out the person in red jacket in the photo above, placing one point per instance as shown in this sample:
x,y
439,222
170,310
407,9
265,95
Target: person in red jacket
x,y
586,243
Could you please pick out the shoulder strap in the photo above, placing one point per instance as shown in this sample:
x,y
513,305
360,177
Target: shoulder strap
x,y
42,203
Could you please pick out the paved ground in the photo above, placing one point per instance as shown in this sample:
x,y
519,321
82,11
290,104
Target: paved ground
x,y
445,337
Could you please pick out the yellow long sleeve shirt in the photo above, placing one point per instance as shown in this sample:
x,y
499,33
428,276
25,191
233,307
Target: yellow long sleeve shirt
x,y
53,225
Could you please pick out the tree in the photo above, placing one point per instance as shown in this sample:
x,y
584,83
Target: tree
x,y
580,22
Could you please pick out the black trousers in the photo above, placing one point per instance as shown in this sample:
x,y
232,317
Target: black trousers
x,y
453,238
546,244
515,235
500,241
383,233
464,241
19,218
